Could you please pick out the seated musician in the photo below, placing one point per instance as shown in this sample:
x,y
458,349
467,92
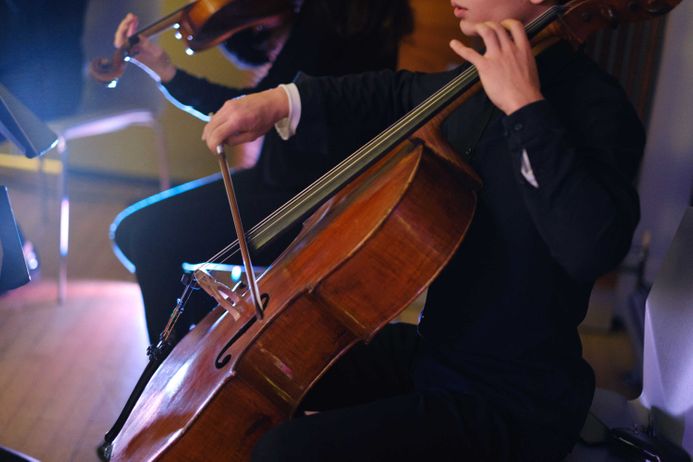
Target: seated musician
x,y
327,37
494,370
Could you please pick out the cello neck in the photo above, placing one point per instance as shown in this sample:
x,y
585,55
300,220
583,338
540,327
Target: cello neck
x,y
157,26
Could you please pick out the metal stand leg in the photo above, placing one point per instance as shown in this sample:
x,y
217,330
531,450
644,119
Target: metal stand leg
x,y
45,198
164,171
63,222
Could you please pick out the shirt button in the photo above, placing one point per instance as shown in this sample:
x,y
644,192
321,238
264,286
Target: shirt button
x,y
518,127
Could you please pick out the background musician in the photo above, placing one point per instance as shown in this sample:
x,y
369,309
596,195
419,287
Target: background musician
x,y
326,37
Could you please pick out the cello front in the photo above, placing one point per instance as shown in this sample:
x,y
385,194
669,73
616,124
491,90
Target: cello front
x,y
360,260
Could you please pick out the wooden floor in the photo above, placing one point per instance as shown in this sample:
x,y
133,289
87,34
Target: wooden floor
x,y
65,371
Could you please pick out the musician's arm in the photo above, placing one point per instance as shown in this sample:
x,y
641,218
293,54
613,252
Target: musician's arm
x,y
576,175
351,110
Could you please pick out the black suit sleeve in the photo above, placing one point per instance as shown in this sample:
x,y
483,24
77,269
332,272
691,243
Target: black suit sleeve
x,y
351,110
585,206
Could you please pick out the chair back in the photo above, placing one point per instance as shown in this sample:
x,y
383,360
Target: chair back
x,y
668,345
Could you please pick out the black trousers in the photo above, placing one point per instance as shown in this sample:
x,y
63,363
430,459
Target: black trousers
x,y
370,410
190,223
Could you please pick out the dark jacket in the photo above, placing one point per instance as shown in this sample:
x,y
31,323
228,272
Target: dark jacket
x,y
501,320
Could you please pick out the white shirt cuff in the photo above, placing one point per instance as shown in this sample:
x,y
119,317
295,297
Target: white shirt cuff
x,y
286,128
526,170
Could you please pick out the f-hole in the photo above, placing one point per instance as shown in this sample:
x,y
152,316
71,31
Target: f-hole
x,y
223,358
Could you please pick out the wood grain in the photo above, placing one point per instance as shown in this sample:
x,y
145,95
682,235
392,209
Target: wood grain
x,y
65,371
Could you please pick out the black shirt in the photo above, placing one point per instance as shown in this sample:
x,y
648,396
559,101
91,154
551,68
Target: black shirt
x,y
501,319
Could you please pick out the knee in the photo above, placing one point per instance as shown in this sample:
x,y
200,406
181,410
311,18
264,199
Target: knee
x,y
267,448
128,233
282,443
118,236
118,232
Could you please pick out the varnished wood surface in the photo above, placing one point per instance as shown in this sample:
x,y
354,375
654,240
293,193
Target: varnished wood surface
x,y
394,227
65,371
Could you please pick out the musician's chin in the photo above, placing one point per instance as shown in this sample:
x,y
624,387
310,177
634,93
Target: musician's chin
x,y
467,27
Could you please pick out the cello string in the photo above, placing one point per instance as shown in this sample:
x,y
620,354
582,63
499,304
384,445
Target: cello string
x,y
314,189
365,154
367,150
384,138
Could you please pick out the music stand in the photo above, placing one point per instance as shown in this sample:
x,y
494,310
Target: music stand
x,y
33,138
19,125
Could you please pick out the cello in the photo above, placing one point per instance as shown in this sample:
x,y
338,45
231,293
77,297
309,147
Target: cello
x,y
240,372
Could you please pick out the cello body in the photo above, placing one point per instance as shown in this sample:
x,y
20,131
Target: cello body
x,y
360,259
